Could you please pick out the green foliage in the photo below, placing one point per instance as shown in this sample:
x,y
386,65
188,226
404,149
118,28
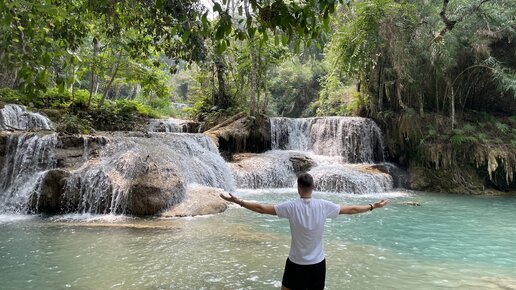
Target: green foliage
x,y
338,99
13,96
459,138
482,137
469,128
73,124
293,85
417,54
503,128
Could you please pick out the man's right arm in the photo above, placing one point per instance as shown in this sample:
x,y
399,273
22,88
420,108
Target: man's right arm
x,y
354,209
254,206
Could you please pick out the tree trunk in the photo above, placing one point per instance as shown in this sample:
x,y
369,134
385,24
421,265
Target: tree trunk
x,y
400,99
113,76
253,79
452,104
252,104
220,97
380,87
96,49
265,95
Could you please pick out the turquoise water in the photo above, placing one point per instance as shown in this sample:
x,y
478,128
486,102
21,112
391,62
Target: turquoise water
x,y
449,242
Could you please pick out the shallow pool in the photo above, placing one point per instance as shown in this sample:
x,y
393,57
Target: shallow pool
x,y
449,242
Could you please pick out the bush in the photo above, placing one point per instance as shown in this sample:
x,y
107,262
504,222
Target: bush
x,y
12,96
73,124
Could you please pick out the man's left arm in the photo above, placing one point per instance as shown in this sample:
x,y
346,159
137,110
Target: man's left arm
x,y
254,206
354,209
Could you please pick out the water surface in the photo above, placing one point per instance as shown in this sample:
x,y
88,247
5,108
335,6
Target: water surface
x,y
449,242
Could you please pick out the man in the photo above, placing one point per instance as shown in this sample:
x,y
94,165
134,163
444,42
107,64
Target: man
x,y
306,265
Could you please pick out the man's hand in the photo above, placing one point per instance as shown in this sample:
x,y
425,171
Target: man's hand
x,y
380,203
231,198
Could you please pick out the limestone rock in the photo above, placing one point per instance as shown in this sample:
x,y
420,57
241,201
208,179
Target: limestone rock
x,y
49,199
300,162
154,191
199,200
242,133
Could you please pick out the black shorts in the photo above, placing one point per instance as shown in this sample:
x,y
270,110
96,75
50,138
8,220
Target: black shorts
x,y
310,277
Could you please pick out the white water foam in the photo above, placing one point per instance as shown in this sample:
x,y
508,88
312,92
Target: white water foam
x,y
101,186
19,118
28,157
355,139
170,125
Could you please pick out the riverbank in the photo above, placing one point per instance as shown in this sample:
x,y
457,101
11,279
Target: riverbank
x,y
477,156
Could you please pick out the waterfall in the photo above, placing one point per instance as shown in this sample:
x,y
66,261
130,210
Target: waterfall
x,y
339,152
167,125
27,158
102,186
350,179
19,118
355,139
271,169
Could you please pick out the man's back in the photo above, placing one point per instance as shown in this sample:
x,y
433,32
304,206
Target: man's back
x,y
307,217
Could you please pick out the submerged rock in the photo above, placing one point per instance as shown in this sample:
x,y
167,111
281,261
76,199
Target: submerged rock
x,y
199,200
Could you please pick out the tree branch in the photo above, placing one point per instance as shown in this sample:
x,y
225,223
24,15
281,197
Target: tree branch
x,y
450,24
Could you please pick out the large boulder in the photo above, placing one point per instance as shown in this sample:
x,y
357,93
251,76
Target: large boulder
x,y
300,162
199,200
74,150
242,133
50,196
154,191
3,144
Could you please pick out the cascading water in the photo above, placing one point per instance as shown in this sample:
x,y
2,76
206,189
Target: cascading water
x,y
167,125
19,118
28,157
271,169
355,139
337,151
103,185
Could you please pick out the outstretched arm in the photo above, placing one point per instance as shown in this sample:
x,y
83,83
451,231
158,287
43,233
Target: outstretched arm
x,y
254,206
353,209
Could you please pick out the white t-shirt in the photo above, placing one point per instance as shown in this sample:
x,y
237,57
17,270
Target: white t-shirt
x,y
307,217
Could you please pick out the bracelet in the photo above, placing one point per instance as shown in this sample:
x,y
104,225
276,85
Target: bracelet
x,y
241,203
372,207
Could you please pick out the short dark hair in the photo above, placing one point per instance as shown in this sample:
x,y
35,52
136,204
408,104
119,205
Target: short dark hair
x,y
305,180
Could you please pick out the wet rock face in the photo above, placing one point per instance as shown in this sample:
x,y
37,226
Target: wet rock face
x,y
242,133
50,197
173,125
73,150
154,191
3,144
350,178
199,200
301,163
270,169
